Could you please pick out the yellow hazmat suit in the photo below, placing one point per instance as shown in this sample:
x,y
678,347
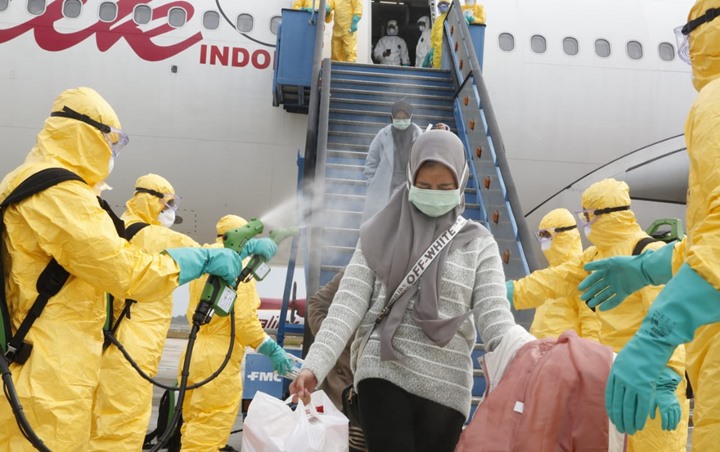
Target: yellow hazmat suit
x,y
477,11
557,315
123,400
57,383
308,4
701,250
436,38
210,410
344,41
613,234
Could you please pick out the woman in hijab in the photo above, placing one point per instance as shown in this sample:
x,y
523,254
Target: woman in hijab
x,y
413,372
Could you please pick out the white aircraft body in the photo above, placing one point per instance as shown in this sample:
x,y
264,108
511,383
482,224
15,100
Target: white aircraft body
x,y
194,94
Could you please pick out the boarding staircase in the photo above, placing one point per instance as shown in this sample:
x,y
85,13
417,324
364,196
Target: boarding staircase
x,y
353,102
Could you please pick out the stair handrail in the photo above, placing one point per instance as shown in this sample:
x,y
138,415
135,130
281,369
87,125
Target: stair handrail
x,y
456,21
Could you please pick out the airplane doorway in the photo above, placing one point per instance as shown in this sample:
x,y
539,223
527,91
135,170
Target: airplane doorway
x,y
406,13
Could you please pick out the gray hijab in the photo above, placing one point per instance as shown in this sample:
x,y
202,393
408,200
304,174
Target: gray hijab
x,y
394,238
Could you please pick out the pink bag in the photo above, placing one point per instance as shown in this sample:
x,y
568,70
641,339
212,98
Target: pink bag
x,y
551,398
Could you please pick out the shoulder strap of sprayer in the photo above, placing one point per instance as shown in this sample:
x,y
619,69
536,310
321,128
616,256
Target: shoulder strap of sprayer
x,y
642,243
112,324
51,279
415,272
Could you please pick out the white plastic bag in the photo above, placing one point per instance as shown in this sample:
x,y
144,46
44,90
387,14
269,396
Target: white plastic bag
x,y
271,426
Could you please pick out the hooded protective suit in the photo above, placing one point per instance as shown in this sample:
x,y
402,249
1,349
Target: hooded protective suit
x,y
57,384
123,400
436,38
344,41
210,411
392,49
612,234
475,11
423,44
565,313
701,250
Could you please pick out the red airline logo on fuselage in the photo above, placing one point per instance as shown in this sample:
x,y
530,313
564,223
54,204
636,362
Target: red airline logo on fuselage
x,y
107,34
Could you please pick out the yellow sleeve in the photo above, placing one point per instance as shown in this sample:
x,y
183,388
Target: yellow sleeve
x,y
678,257
479,14
357,7
248,330
550,283
298,4
70,226
155,239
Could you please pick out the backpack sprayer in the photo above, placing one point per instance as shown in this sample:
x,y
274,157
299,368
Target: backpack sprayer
x,y
218,297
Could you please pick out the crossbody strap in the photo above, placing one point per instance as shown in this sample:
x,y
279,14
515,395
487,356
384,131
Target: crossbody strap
x,y
414,274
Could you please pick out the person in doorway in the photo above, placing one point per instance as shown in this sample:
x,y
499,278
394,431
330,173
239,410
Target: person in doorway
x,y
688,308
391,49
123,400
560,241
344,38
65,224
209,411
412,350
341,374
610,225
423,44
386,164
474,12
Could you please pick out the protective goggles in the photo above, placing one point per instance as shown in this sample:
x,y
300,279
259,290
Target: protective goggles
x,y
170,200
683,32
543,235
116,138
589,216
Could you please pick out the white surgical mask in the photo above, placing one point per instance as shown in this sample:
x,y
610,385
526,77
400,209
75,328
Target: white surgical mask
x,y
167,217
401,124
422,27
434,203
546,244
587,229
470,2
392,31
101,187
111,164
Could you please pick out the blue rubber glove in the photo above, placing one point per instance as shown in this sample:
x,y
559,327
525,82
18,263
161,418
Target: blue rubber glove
x,y
614,279
280,360
666,401
195,262
686,303
353,24
264,247
510,288
428,61
469,18
327,9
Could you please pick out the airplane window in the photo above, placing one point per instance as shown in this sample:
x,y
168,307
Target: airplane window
x,y
570,46
245,23
36,7
108,11
634,50
177,17
72,8
602,48
4,4
538,44
667,51
211,20
142,14
507,42
275,25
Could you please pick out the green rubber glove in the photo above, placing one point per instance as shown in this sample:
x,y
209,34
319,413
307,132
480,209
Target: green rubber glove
x,y
308,9
510,288
280,360
353,24
686,303
265,247
469,17
195,262
666,401
428,61
614,279
327,9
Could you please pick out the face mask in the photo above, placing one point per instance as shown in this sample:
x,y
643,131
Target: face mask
x,y
545,245
401,124
111,164
392,31
443,8
587,229
167,217
470,2
422,27
434,203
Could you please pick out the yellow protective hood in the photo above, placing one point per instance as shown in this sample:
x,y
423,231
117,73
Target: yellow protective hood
x,y
144,207
566,244
73,144
610,229
704,45
227,223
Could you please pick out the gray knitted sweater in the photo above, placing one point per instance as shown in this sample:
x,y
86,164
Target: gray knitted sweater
x,y
472,279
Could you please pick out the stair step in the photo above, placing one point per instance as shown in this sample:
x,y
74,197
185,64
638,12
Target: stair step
x,y
418,118
444,93
411,97
399,71
385,106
